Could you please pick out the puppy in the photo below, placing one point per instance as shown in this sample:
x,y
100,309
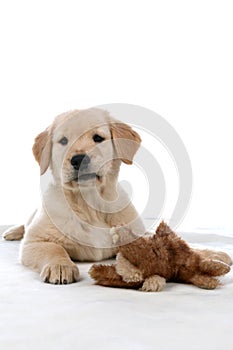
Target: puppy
x,y
79,156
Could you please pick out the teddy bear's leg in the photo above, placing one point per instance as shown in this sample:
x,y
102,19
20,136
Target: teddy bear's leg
x,y
103,273
210,254
205,282
214,267
127,271
153,284
106,275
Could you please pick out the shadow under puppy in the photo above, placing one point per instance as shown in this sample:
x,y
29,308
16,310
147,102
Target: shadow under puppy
x,y
146,263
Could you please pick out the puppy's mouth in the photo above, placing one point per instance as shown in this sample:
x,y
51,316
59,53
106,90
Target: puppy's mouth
x,y
86,177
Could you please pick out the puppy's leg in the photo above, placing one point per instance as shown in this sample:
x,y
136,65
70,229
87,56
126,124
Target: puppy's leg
x,y
14,233
51,261
213,255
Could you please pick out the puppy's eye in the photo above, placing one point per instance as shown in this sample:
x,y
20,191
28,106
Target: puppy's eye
x,y
98,138
63,141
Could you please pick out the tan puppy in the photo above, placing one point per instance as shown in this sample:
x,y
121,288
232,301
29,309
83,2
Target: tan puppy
x,y
79,157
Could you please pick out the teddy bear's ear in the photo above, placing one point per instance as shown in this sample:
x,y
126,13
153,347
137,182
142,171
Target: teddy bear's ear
x,y
126,141
163,229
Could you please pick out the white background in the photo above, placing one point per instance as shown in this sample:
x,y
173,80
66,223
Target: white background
x,y
174,57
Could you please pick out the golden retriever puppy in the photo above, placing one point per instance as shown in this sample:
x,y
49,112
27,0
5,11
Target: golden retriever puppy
x,y
79,156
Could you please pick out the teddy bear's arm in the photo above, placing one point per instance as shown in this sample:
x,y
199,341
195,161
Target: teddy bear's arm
x,y
127,271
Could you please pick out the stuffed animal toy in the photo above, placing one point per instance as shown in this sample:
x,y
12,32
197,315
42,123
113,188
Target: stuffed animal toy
x,y
146,263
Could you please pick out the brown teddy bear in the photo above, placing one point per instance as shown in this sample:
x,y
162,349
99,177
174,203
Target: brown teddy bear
x,y
146,263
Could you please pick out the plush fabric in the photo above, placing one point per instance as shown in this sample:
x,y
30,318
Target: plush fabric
x,y
147,262
35,315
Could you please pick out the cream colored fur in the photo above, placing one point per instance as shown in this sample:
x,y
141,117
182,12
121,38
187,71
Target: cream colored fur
x,y
66,227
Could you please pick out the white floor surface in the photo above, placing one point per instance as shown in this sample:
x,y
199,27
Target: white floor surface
x,y
35,315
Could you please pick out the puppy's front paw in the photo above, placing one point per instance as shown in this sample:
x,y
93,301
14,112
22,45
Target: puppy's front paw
x,y
60,274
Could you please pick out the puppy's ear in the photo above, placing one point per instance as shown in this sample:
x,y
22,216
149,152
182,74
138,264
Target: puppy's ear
x,y
126,141
42,149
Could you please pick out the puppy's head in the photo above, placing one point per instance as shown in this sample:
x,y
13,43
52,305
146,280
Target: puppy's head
x,y
85,148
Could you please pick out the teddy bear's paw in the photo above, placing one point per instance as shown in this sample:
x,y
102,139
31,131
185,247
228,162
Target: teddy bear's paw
x,y
215,255
153,284
127,271
205,282
224,257
214,267
135,277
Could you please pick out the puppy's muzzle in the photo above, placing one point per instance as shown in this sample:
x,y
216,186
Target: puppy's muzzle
x,y
80,161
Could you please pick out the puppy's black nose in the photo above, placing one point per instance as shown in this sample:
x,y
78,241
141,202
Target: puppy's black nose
x,y
80,161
